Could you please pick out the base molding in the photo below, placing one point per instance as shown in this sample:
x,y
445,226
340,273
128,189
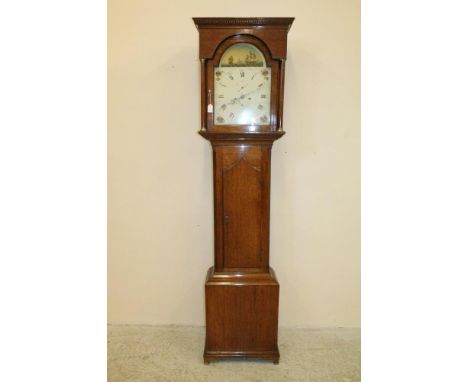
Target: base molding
x,y
209,356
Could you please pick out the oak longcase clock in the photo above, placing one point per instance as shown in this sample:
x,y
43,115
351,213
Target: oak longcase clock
x,y
242,87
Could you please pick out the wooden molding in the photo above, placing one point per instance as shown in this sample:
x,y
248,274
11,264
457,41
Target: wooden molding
x,y
257,137
213,22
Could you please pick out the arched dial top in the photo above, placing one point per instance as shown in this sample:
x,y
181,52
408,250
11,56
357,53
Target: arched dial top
x,y
242,55
242,87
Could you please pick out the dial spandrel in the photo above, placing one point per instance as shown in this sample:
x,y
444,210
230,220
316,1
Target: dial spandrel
x,y
242,87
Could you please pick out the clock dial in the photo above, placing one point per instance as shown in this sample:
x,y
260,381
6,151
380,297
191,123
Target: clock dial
x,y
242,87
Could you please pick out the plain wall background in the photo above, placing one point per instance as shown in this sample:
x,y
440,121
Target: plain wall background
x,y
160,199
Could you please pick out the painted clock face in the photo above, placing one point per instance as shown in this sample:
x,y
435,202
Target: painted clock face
x,y
242,87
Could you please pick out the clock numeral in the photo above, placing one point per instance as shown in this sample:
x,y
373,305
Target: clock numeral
x,y
221,96
242,74
223,107
260,85
264,118
231,77
231,115
218,73
263,96
260,107
220,119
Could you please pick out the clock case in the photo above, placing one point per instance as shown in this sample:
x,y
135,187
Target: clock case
x,y
241,289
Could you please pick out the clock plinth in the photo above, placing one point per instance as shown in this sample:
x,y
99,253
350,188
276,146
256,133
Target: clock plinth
x,y
241,315
242,84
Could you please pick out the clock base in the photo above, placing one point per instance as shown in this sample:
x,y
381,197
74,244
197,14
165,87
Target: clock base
x,y
209,356
241,314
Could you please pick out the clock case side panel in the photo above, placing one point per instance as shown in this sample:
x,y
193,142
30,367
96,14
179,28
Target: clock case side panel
x,y
207,84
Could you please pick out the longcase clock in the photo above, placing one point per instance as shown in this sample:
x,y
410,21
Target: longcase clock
x,y
242,87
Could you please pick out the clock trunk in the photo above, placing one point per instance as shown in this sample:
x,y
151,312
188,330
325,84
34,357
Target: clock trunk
x,y
242,186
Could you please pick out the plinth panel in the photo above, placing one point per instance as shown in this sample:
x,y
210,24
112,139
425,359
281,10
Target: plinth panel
x,y
241,315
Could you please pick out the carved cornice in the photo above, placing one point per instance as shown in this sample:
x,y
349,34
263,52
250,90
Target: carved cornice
x,y
207,22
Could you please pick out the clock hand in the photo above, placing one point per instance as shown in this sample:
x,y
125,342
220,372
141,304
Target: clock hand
x,y
253,91
242,96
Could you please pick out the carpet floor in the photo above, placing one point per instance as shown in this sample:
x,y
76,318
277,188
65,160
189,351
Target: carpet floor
x,y
175,354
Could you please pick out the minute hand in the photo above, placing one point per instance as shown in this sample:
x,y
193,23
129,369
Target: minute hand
x,y
253,91
242,96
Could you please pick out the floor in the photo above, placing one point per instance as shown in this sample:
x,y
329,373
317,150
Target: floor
x,y
174,353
